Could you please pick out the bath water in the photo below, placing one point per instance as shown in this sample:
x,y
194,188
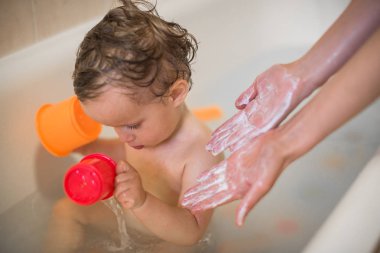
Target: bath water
x,y
125,244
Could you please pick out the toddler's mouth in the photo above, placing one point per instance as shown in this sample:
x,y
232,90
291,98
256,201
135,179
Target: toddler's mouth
x,y
138,147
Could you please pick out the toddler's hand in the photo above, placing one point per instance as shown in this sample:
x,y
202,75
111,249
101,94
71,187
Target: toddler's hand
x,y
128,187
263,106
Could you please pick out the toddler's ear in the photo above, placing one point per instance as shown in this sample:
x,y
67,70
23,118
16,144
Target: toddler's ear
x,y
178,92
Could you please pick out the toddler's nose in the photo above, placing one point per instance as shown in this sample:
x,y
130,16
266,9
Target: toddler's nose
x,y
124,135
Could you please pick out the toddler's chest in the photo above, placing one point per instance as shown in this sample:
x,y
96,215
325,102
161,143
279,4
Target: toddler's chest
x,y
161,175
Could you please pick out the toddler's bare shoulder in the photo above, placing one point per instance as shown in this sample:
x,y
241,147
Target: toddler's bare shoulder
x,y
199,154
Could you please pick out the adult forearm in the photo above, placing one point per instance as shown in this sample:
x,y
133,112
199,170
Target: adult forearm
x,y
355,25
353,88
171,223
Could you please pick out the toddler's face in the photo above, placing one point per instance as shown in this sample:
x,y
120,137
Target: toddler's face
x,y
139,126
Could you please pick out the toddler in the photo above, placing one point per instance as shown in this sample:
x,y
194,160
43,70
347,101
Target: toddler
x,y
133,73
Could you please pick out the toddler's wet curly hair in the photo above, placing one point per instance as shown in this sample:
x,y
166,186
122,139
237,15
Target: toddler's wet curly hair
x,y
134,48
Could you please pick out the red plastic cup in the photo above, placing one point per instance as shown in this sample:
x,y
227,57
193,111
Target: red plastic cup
x,y
90,180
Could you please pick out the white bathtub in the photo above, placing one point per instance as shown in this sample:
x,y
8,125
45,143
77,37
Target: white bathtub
x,y
238,39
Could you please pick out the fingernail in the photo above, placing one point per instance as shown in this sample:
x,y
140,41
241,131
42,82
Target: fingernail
x,y
214,152
212,149
243,101
123,166
239,104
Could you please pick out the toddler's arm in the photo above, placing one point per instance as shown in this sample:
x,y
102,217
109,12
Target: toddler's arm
x,y
170,223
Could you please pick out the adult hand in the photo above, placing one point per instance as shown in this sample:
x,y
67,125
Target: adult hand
x,y
263,106
249,173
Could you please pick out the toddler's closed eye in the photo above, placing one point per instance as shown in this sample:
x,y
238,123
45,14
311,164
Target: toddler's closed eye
x,y
133,126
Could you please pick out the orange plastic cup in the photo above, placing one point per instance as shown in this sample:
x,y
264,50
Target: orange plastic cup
x,y
64,126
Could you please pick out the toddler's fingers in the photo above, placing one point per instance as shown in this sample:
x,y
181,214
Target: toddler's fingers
x,y
122,167
125,201
120,189
123,177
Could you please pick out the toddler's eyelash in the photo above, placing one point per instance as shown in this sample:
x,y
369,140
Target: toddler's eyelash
x,y
133,127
